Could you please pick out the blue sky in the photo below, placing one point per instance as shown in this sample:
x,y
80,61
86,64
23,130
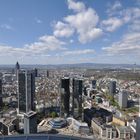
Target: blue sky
x,y
69,31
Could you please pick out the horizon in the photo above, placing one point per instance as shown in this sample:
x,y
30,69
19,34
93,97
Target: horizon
x,y
69,32
73,64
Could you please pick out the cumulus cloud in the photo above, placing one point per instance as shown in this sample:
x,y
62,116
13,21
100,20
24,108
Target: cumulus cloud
x,y
76,6
83,22
63,30
90,35
130,44
43,46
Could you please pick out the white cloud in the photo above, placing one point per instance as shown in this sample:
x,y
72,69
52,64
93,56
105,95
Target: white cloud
x,y
121,17
132,15
63,30
116,5
46,43
83,22
42,47
90,35
113,8
79,52
130,44
76,6
112,24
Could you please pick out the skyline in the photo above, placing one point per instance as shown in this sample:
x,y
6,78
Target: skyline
x,y
70,31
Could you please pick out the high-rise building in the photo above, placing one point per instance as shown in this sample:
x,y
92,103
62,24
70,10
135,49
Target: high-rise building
x,y
17,68
93,84
65,83
112,88
35,72
30,122
77,98
138,128
47,73
26,91
138,124
123,98
1,101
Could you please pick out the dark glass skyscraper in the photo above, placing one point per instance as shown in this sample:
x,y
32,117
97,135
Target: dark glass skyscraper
x,y
65,83
35,72
77,97
26,91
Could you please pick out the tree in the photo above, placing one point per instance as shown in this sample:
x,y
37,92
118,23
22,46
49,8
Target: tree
x,y
53,114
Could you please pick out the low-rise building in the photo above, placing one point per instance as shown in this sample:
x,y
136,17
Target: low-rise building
x,y
119,121
104,131
7,125
125,132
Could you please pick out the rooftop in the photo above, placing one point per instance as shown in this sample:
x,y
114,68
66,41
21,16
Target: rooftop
x,y
31,113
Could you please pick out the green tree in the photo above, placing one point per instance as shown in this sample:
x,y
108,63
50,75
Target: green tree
x,y
53,114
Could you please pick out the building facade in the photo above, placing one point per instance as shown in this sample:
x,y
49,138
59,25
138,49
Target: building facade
x,y
26,91
112,88
65,98
138,129
17,68
77,98
123,98
93,84
30,123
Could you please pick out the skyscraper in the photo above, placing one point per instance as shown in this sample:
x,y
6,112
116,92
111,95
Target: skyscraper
x,y
30,122
123,99
138,128
65,83
47,73
35,72
93,84
1,101
17,68
138,124
26,91
112,88
77,97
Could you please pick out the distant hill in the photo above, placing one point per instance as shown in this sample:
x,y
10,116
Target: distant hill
x,y
77,65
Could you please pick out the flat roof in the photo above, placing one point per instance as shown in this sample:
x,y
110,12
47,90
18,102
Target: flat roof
x,y
29,114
